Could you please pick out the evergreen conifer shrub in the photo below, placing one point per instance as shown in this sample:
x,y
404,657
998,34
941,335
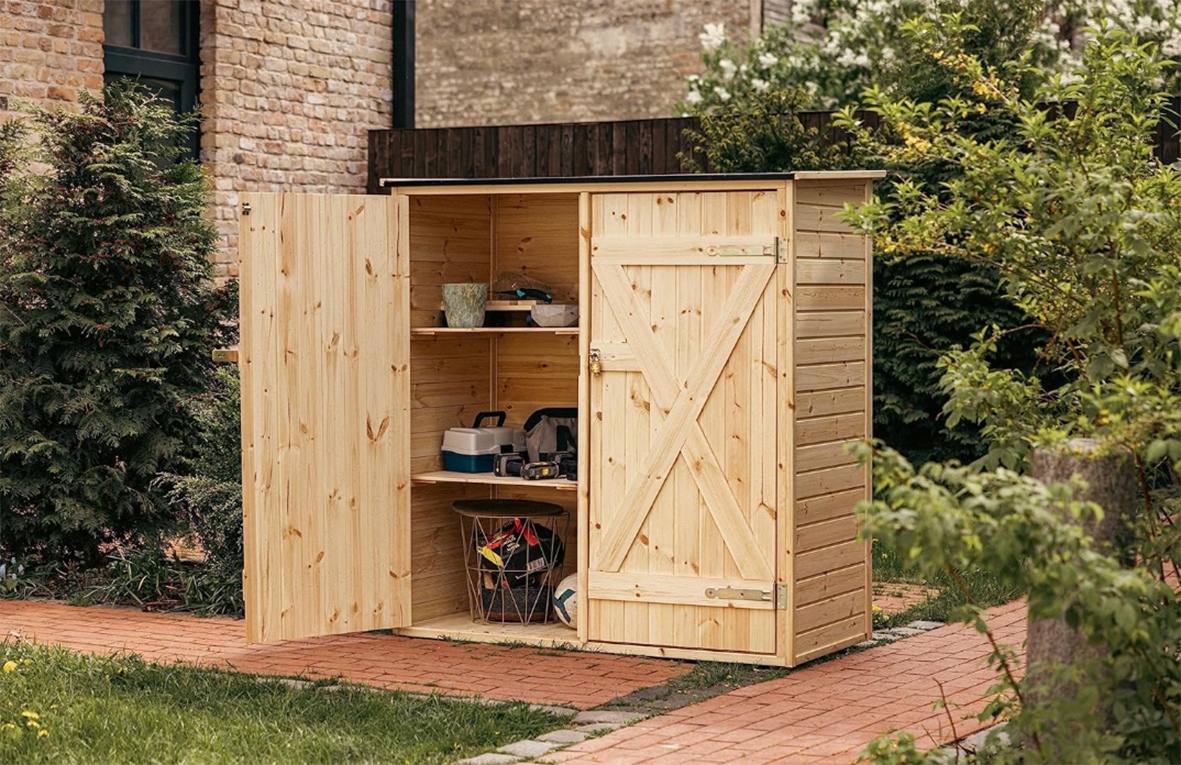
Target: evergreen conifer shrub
x,y
109,313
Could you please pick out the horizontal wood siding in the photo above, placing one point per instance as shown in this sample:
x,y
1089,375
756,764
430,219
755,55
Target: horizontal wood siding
x,y
831,596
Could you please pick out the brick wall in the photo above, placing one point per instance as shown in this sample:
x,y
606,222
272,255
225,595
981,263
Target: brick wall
x,y
484,62
49,51
291,89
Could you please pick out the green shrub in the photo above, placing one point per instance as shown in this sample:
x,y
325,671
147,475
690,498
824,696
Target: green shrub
x,y
761,134
109,317
210,498
156,581
1084,227
834,49
926,303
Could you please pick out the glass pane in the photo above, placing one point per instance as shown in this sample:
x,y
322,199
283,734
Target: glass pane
x,y
117,22
166,91
161,25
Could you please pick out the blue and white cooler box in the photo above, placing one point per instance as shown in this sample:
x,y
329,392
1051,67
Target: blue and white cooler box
x,y
474,449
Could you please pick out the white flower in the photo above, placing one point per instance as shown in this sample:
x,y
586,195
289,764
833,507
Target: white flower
x,y
693,98
801,12
759,85
713,37
728,69
766,60
722,93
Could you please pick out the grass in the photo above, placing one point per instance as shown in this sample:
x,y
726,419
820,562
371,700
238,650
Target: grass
x,y
945,606
60,707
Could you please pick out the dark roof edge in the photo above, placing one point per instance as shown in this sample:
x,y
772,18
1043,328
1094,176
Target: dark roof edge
x,y
577,179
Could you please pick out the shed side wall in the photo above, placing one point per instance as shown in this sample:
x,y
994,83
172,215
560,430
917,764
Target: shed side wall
x,y
832,361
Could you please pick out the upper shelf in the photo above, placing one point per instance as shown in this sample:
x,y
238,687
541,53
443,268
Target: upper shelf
x,y
506,305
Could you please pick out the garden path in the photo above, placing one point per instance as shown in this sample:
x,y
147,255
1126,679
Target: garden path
x,y
564,678
824,713
828,712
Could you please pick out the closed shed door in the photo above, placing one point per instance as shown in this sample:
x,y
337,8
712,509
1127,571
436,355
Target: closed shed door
x,y
686,323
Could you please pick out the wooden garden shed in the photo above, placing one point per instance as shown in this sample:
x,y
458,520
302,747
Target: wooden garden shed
x,y
729,316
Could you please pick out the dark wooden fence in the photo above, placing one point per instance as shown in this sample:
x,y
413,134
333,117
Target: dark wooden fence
x,y
630,147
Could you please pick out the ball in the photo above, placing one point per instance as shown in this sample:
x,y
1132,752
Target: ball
x,y
566,601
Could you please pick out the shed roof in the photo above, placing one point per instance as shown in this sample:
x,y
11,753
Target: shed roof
x,y
800,175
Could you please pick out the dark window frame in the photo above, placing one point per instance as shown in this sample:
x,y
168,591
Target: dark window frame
x,y
184,69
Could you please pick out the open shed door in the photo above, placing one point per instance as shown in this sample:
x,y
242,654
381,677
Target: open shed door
x,y
688,325
324,360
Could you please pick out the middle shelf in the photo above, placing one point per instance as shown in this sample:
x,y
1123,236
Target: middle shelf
x,y
431,331
450,476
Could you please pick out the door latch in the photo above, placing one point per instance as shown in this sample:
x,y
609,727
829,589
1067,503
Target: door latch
x,y
245,208
596,364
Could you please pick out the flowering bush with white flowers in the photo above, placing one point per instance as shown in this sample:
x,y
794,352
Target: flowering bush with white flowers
x,y
834,49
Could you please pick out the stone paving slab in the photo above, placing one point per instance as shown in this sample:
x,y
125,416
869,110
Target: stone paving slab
x,y
529,749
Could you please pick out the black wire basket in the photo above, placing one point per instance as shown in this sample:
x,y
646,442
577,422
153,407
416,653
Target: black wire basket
x,y
514,555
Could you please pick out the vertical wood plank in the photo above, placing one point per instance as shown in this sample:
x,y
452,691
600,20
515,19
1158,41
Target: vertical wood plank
x,y
786,408
585,408
326,498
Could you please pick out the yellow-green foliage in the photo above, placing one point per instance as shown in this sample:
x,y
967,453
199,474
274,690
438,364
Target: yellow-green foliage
x,y
1083,225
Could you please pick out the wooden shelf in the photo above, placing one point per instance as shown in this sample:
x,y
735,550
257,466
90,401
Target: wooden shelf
x,y
434,331
506,305
448,476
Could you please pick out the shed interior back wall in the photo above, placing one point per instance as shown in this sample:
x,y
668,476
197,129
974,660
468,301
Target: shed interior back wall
x,y
466,238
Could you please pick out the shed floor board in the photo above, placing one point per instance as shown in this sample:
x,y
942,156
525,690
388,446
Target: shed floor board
x,y
462,627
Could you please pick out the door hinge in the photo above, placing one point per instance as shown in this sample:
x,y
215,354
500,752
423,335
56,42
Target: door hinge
x,y
781,596
780,251
732,593
245,208
595,361
746,251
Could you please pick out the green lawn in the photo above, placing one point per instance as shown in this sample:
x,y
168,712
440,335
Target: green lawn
x,y
985,590
59,707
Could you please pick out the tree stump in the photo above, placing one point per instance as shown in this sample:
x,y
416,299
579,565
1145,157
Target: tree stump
x,y
1111,484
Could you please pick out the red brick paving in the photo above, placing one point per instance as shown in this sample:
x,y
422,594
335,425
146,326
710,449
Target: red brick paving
x,y
579,680
826,713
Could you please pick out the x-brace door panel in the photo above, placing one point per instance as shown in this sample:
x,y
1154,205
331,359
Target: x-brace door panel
x,y
685,326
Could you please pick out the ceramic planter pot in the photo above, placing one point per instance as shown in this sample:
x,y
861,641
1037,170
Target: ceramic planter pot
x,y
464,304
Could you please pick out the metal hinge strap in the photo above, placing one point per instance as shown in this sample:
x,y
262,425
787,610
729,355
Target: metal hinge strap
x,y
781,596
732,593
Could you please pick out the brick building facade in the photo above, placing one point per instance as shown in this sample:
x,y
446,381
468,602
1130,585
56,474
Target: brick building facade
x,y
49,51
290,88
489,62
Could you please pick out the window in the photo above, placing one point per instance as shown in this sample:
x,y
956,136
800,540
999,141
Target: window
x,y
155,41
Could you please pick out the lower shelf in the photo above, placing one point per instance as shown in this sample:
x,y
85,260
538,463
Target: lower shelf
x,y
461,627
